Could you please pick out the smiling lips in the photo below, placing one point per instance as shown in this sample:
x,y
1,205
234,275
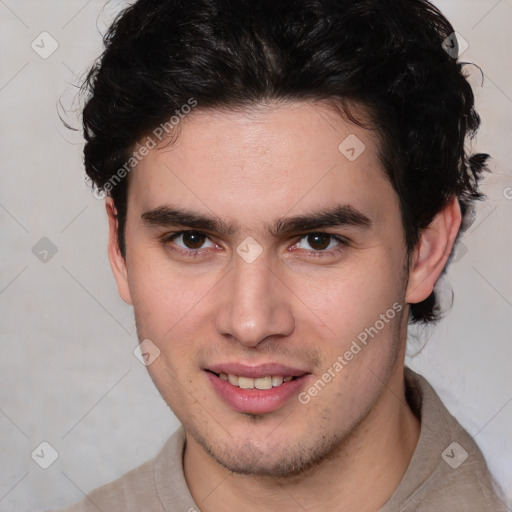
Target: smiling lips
x,y
268,382
256,390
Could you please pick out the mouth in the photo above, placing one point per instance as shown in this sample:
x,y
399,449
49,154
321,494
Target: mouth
x,y
256,390
261,383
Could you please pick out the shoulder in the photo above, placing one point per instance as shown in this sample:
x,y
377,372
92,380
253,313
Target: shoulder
x,y
469,487
136,490
447,471
125,493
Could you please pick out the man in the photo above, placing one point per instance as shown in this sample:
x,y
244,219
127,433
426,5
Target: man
x,y
285,182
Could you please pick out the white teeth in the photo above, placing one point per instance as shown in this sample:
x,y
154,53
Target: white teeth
x,y
263,383
268,382
277,380
245,383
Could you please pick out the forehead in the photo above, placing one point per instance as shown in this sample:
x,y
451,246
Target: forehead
x,y
267,161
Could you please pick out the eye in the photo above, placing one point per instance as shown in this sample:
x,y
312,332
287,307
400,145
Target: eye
x,y
321,242
191,240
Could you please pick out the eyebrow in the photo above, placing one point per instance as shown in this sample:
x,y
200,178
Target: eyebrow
x,y
335,217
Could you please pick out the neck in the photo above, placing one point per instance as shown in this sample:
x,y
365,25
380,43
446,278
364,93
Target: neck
x,y
361,475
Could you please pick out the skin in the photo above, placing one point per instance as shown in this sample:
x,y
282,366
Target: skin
x,y
295,304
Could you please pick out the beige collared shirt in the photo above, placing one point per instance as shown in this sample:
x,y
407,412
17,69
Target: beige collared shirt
x,y
447,472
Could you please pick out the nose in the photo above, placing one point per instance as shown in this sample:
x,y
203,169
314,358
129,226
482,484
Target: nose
x,y
254,305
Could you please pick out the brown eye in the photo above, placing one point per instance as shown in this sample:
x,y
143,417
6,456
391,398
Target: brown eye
x,y
319,241
324,244
189,243
193,239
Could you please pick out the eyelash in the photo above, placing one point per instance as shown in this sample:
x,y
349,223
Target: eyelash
x,y
343,244
191,253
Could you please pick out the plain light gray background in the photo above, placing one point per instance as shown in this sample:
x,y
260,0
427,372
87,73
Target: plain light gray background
x,y
68,374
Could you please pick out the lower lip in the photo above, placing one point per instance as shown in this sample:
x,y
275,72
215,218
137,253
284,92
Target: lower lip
x,y
256,401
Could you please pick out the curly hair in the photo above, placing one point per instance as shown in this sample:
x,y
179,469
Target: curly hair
x,y
388,56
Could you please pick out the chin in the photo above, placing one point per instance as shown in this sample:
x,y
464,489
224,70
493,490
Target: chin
x,y
282,460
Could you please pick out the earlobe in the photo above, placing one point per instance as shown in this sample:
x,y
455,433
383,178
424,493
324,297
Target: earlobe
x,y
432,252
117,260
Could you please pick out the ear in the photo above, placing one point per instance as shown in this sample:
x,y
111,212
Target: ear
x,y
432,252
117,261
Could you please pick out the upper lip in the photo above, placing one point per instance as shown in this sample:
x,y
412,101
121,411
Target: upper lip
x,y
262,370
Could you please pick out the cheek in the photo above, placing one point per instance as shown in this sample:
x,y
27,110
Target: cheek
x,y
352,298
162,295
172,309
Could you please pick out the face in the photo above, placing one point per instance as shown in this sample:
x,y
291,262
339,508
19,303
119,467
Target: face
x,y
256,251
